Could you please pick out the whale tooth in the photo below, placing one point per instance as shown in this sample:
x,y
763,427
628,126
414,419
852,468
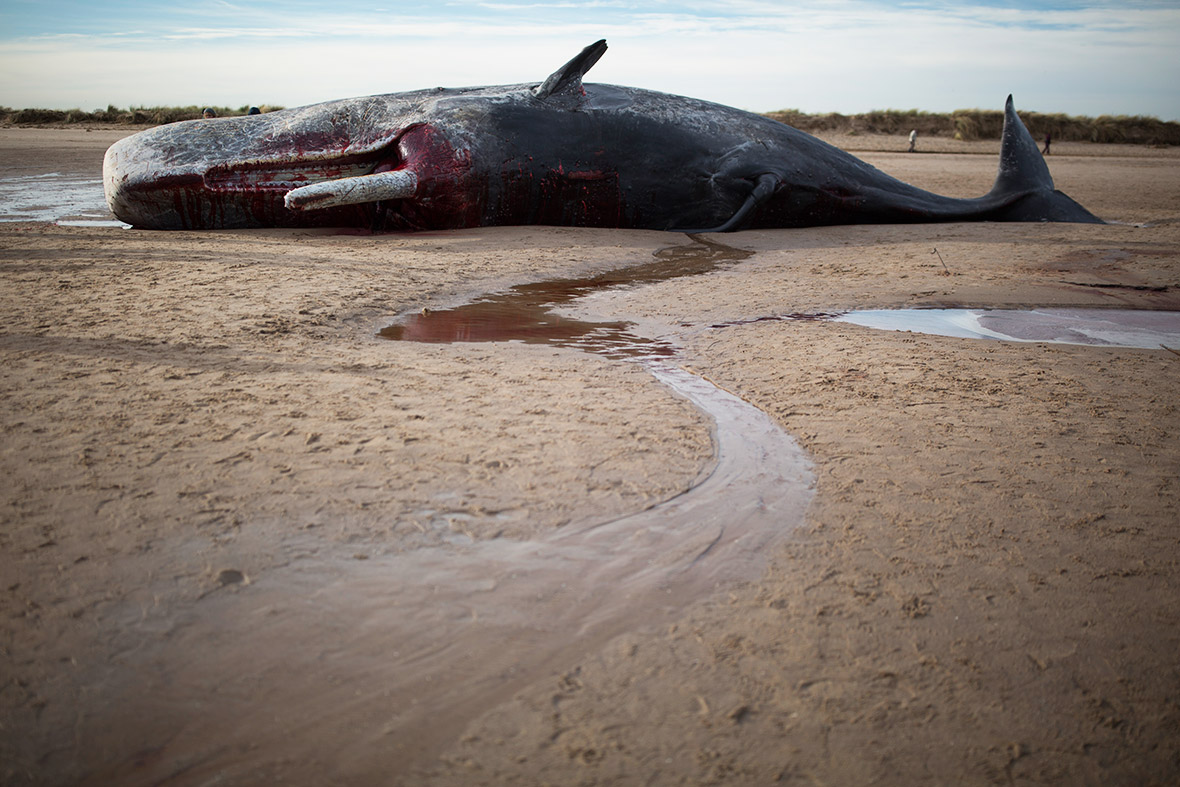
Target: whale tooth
x,y
398,184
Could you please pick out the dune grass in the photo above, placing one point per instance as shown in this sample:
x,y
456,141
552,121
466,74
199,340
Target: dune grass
x,y
135,116
971,124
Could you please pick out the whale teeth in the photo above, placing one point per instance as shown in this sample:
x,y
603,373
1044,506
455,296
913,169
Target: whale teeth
x,y
398,184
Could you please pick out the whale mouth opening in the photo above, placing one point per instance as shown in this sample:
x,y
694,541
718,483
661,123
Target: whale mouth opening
x,y
286,175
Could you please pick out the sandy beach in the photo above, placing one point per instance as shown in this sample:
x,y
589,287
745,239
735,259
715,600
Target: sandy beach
x,y
246,540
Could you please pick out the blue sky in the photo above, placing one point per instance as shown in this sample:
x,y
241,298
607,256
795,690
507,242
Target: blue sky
x,y
1084,58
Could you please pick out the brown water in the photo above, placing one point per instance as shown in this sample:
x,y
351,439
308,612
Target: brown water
x,y
340,671
527,313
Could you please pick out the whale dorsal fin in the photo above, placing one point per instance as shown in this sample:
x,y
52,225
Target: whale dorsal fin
x,y
568,78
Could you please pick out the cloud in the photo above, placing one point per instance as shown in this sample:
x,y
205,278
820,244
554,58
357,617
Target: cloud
x,y
845,56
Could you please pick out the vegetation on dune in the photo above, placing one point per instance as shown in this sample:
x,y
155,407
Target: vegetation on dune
x,y
986,124
136,116
966,124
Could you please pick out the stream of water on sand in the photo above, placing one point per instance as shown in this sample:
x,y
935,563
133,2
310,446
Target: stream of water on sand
x,y
376,666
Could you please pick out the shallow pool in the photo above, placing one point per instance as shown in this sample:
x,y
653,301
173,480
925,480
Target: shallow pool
x,y
73,200
1108,327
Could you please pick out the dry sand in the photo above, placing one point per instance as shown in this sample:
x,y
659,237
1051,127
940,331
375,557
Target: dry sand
x,y
204,441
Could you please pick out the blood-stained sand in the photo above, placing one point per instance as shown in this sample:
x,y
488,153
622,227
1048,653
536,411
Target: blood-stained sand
x,y
213,470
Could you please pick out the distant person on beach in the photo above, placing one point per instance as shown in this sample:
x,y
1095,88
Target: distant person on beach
x,y
913,141
1048,139
254,111
208,112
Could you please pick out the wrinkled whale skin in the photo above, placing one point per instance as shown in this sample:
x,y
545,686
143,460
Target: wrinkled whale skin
x,y
562,153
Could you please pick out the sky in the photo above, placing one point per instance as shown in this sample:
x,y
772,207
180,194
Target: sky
x,y
848,56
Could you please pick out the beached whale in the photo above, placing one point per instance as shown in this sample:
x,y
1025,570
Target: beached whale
x,y
560,152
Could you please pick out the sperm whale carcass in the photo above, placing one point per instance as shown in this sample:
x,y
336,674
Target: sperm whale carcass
x,y
561,152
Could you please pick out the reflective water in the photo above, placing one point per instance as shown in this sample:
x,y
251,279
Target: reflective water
x,y
1107,327
528,312
53,197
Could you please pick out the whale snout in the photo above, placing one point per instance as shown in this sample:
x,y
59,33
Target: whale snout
x,y
235,173
149,186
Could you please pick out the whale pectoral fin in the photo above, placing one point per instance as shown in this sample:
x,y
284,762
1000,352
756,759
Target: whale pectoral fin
x,y
764,187
568,78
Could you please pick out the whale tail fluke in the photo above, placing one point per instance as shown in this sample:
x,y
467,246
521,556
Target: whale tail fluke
x,y
1024,182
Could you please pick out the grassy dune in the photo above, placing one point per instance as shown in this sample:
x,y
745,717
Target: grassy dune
x,y
135,116
968,124
965,124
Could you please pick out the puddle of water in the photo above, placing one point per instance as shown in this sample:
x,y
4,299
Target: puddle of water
x,y
92,223
71,200
526,313
1102,327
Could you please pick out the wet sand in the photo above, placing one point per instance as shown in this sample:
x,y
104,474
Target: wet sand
x,y
216,477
